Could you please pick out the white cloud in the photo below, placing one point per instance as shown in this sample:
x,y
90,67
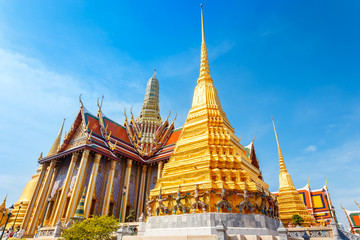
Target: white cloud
x,y
34,101
311,148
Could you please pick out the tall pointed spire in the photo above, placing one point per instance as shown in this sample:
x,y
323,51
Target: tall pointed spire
x,y
207,150
57,142
281,158
204,61
3,204
150,110
289,201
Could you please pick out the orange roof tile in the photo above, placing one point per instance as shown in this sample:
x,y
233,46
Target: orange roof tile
x,y
173,137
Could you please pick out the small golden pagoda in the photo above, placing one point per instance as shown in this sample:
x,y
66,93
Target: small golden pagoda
x,y
208,157
289,200
24,201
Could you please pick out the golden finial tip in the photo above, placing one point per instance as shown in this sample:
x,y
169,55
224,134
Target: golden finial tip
x,y
201,5
80,100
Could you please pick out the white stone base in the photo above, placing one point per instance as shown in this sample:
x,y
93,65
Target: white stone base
x,y
207,225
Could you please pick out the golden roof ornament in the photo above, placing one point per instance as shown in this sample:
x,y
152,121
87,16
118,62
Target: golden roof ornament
x,y
357,204
57,142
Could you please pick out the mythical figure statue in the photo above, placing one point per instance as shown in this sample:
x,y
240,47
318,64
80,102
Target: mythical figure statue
x,y
223,202
262,206
271,207
131,217
276,209
198,203
179,205
245,203
161,205
148,206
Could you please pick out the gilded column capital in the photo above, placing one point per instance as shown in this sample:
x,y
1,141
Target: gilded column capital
x,y
129,163
44,166
75,156
86,153
144,168
53,164
113,165
97,158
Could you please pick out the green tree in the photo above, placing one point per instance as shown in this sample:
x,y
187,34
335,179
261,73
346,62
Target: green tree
x,y
297,219
99,228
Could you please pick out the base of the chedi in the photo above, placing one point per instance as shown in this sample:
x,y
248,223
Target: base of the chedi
x,y
207,226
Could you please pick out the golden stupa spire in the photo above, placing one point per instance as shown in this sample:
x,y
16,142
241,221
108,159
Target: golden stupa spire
x,y
281,158
57,142
204,61
289,201
207,152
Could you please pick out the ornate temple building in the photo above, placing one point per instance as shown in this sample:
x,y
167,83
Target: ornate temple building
x,y
145,165
289,201
116,163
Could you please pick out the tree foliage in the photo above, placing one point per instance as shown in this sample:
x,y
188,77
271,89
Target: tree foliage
x,y
297,219
92,228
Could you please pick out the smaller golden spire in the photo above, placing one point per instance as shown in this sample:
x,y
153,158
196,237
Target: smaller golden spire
x,y
281,159
357,203
57,142
3,204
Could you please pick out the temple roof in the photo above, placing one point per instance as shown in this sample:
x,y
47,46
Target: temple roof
x,y
107,137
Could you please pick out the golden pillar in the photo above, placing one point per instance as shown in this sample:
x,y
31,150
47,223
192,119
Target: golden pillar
x,y
65,189
109,186
78,185
34,197
160,168
44,194
142,191
91,186
148,181
127,183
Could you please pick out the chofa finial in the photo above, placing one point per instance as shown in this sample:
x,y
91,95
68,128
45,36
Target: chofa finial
x,y
82,105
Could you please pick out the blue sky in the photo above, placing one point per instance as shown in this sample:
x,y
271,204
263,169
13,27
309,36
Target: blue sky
x,y
298,61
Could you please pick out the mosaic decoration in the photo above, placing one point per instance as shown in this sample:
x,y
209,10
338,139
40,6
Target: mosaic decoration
x,y
117,185
132,185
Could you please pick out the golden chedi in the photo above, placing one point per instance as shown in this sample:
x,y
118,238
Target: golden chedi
x,y
289,201
209,166
23,203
